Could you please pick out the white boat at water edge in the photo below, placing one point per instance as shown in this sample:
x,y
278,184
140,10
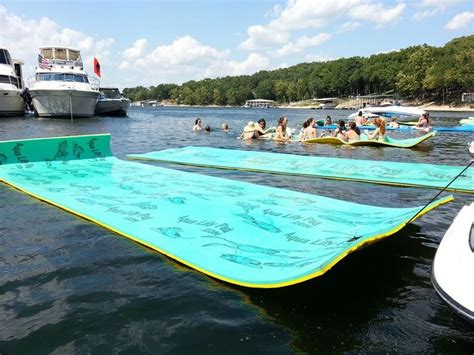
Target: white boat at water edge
x,y
453,266
402,112
111,102
61,87
11,85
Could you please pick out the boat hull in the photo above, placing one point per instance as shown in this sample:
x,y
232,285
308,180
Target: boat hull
x,y
112,107
453,265
63,103
11,102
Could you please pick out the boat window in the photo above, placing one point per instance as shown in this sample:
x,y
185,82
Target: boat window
x,y
68,77
6,79
73,55
80,78
57,77
61,53
5,57
47,53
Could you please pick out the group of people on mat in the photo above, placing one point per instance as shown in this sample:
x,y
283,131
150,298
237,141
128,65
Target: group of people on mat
x,y
349,132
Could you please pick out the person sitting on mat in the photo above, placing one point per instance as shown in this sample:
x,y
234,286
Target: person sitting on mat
x,y
281,133
340,131
379,132
197,125
353,133
394,123
309,131
360,120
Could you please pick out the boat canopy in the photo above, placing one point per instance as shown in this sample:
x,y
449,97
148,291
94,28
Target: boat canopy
x,y
60,54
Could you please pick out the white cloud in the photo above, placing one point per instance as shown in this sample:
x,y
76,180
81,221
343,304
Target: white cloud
x,y
303,43
460,21
348,26
22,37
436,7
307,14
263,37
137,50
377,13
186,58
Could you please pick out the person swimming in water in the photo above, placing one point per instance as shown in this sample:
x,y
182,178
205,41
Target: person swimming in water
x,y
309,131
197,125
353,133
281,131
340,131
253,130
328,121
225,127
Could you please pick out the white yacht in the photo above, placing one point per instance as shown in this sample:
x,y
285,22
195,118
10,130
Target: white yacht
x,y
11,85
112,102
402,112
61,87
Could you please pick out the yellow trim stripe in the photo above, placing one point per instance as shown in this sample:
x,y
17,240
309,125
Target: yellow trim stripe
x,y
223,167
223,278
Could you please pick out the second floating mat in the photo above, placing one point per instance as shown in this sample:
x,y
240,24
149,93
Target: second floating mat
x,y
378,172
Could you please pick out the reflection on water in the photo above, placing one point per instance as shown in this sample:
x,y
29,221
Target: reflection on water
x,y
67,285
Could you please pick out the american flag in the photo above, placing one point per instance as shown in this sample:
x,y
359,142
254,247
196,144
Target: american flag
x,y
43,63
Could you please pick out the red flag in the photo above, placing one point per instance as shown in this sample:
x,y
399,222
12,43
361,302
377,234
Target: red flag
x,y
96,67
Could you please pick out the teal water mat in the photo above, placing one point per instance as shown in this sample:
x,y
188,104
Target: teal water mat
x,y
378,172
242,233
365,141
459,129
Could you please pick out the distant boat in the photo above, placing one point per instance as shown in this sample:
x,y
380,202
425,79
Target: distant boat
x,y
11,85
111,102
409,112
453,265
61,87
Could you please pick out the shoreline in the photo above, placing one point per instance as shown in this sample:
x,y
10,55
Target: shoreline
x,y
430,108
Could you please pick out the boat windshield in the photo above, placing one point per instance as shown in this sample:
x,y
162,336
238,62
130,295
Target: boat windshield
x,y
5,57
78,78
111,93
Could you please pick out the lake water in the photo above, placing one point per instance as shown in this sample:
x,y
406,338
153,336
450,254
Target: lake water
x,y
67,285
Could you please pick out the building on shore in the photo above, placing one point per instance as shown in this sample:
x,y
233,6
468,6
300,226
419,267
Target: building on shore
x,y
259,103
326,103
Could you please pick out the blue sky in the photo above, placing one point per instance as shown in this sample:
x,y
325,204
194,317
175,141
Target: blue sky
x,y
151,42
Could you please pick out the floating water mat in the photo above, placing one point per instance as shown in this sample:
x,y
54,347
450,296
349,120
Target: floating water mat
x,y
242,233
364,141
377,172
461,129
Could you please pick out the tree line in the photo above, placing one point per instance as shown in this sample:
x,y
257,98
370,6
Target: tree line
x,y
417,72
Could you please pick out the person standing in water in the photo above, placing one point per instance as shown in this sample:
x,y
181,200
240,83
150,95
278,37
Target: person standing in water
x,y
309,131
281,133
197,125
